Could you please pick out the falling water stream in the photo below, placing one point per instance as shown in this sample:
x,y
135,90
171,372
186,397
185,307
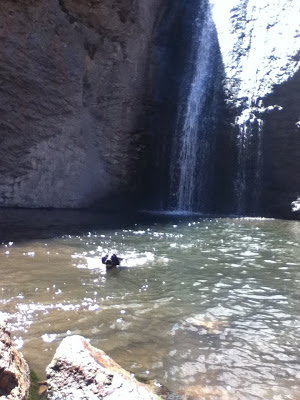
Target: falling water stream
x,y
207,306
248,183
192,164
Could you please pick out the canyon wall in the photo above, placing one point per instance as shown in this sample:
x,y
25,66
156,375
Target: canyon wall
x,y
72,86
90,93
260,46
257,142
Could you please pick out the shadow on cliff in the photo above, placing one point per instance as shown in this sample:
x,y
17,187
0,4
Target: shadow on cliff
x,y
281,150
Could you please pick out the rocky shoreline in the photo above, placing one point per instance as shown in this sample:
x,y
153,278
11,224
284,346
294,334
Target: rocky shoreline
x,y
14,370
78,371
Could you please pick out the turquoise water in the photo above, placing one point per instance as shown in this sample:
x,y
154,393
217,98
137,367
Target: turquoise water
x,y
209,307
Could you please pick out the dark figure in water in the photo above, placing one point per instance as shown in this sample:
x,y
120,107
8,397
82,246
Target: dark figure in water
x,y
111,261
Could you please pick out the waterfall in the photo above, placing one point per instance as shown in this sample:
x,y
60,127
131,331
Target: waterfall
x,y
191,167
225,70
248,183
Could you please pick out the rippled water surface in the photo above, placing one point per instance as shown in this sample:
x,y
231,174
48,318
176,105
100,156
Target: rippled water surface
x,y
206,306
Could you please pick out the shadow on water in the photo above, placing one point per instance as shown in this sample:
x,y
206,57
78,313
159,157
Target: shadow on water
x,y
27,224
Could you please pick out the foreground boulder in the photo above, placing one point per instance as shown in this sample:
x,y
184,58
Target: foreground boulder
x,y
14,371
79,371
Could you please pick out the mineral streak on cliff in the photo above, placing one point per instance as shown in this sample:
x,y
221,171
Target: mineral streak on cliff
x,y
72,78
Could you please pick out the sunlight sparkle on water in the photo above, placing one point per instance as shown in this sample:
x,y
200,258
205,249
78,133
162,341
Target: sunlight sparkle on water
x,y
192,297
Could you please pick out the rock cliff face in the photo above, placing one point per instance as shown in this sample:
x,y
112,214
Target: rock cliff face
x,y
77,95
257,171
72,77
260,46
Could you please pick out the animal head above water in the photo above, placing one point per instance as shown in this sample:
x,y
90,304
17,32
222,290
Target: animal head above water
x,y
110,260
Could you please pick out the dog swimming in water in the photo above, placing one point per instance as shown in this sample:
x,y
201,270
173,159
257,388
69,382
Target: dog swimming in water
x,y
111,260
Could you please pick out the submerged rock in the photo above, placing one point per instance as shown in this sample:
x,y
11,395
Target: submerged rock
x,y
82,372
14,371
206,392
211,326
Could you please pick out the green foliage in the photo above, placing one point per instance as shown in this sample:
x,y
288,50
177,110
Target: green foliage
x,y
34,387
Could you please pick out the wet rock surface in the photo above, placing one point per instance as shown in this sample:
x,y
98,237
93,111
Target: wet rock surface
x,y
14,371
80,371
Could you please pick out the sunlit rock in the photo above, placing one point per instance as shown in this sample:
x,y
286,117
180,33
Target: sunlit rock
x,y
260,42
296,205
14,371
80,371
